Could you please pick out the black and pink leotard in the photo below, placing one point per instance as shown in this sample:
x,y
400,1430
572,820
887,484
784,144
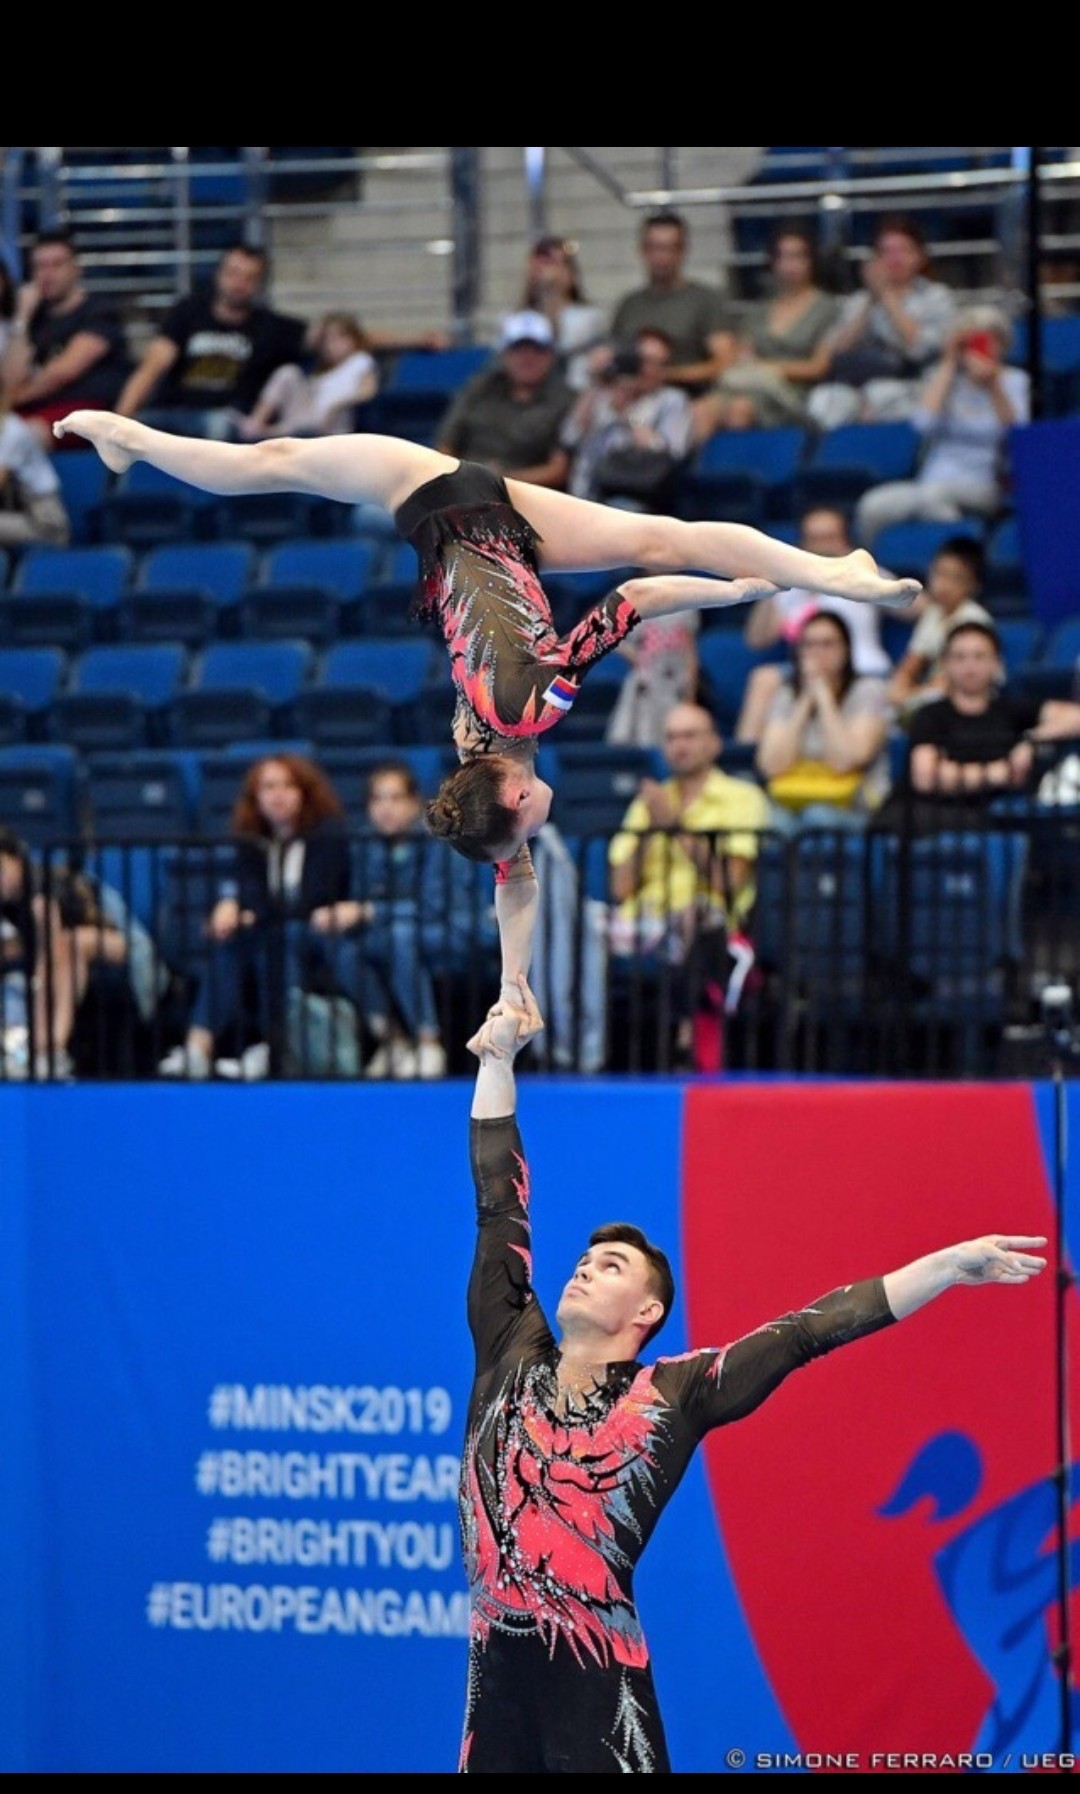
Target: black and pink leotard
x,y
556,1508
479,580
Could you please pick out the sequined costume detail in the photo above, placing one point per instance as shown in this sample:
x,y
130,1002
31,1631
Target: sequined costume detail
x,y
556,1508
515,676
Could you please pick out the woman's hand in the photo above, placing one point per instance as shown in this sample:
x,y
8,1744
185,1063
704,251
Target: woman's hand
x,y
510,1023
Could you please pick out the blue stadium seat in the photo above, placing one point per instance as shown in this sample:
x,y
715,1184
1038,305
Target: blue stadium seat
x,y
437,370
40,792
726,663
114,694
343,567
33,676
349,769
847,461
383,608
221,568
98,574
597,783
140,797
309,612
1021,640
187,614
44,620
948,912
771,456
908,548
14,723
84,482
353,716
399,669
238,690
147,507
811,920
278,669
264,518
143,520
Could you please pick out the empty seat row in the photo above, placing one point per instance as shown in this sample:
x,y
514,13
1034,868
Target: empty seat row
x,y
123,696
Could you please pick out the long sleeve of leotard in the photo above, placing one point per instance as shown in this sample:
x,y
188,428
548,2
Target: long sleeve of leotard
x,y
716,1387
502,1302
520,688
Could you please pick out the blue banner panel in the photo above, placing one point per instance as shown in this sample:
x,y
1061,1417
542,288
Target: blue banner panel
x,y
249,1362
1045,460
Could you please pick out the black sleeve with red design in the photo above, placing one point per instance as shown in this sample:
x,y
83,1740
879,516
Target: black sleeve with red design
x,y
503,1309
714,1388
521,689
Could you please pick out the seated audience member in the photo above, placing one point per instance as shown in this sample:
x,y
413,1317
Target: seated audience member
x,y
681,867
971,745
950,596
292,858
692,316
215,350
778,356
629,433
66,348
414,909
887,335
823,529
568,975
663,672
59,931
508,416
320,403
554,287
32,506
822,748
964,412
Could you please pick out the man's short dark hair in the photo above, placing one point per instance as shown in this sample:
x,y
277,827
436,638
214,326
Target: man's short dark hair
x,y
974,627
661,1280
251,250
392,768
968,550
666,219
48,239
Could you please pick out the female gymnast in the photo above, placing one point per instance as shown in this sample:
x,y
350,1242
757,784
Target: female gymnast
x,y
482,543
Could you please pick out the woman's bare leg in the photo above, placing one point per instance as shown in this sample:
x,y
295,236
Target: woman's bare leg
x,y
576,533
358,469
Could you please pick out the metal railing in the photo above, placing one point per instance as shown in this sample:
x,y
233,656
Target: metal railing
x,y
871,952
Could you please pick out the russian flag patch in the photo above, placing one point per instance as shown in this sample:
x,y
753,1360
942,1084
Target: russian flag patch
x,y
561,692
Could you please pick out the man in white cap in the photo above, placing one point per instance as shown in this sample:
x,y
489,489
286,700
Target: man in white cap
x,y
509,415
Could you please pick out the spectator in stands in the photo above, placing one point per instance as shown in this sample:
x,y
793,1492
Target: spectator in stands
x,y
954,582
663,672
292,858
970,401
320,403
60,928
65,346
823,529
508,416
415,910
682,864
629,433
32,506
887,335
822,748
969,747
215,351
779,352
694,317
554,287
